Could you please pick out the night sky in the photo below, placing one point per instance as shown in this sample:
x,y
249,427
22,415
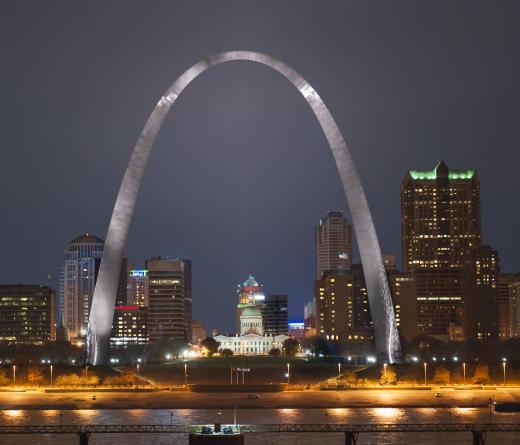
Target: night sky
x,y
241,172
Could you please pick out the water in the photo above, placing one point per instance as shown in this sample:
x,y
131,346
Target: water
x,y
198,416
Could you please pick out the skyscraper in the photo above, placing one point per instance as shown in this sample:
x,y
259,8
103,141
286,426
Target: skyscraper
x,y
333,243
27,314
169,301
138,287
480,293
78,281
274,315
440,220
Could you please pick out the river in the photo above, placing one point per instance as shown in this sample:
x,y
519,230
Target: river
x,y
256,416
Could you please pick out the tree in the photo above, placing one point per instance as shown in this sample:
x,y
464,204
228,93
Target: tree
x,y
226,352
481,375
388,376
275,352
4,379
290,347
211,345
35,376
442,376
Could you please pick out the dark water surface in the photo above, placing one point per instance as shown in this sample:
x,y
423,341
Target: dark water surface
x,y
257,416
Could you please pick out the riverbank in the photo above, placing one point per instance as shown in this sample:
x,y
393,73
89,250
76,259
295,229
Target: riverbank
x,y
38,400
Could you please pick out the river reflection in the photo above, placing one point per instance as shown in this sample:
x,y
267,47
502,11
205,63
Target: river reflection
x,y
267,416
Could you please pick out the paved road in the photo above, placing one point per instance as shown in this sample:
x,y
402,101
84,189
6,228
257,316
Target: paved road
x,y
290,399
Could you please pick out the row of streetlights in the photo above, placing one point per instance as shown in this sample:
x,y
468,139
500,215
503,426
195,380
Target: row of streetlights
x,y
504,362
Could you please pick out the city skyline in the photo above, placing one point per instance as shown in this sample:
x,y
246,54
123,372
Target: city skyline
x,y
249,208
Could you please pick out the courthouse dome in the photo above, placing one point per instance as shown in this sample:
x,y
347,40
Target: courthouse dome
x,y
87,238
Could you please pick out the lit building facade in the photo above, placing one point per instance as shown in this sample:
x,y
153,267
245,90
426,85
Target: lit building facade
x,y
138,287
514,297
27,314
505,280
129,326
77,283
297,330
404,295
440,220
342,308
169,299
333,238
274,315
481,272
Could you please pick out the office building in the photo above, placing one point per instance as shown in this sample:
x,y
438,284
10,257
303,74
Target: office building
x,y
343,313
129,327
333,238
480,293
505,280
274,315
514,298
440,219
138,287
169,298
297,330
77,283
27,314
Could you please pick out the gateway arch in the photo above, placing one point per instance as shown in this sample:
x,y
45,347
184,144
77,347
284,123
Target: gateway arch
x,y
381,308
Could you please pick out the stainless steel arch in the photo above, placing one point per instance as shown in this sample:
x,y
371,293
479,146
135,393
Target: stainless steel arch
x,y
102,310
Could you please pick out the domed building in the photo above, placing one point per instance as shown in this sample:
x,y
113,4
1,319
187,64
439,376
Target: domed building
x,y
251,340
251,321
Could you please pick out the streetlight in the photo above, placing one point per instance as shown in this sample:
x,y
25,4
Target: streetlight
x,y
425,366
504,361
185,374
288,373
14,375
51,377
339,370
464,372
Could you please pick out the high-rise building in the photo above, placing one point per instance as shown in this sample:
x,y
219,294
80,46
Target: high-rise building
x,y
504,303
343,313
274,314
78,281
138,287
440,219
27,314
169,303
404,296
333,244
480,293
514,305
129,327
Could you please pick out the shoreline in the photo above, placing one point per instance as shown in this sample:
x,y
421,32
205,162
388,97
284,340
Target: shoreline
x,y
405,399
